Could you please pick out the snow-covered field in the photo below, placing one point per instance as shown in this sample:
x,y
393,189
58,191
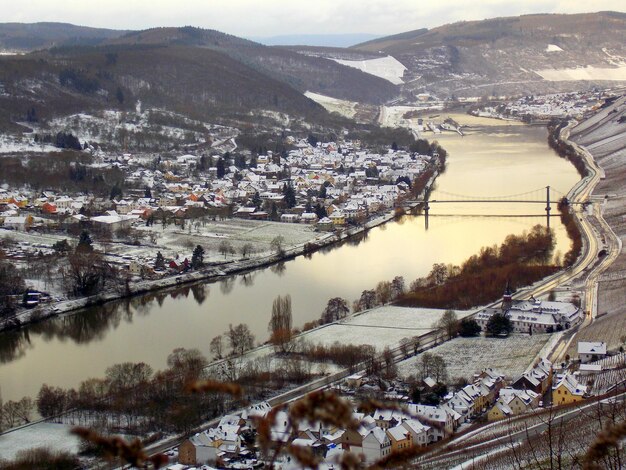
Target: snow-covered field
x,y
583,73
379,327
174,240
51,435
388,68
11,144
465,356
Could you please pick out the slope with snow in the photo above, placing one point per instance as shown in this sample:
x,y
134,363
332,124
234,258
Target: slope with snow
x,y
388,68
588,73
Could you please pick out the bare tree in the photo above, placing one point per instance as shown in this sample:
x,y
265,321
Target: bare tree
x,y
240,338
86,272
277,244
449,323
217,347
225,247
188,362
397,287
280,325
383,292
246,250
367,300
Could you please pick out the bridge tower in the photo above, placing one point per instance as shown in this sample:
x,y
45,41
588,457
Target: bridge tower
x,y
548,208
426,209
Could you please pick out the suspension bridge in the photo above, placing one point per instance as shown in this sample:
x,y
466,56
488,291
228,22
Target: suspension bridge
x,y
546,195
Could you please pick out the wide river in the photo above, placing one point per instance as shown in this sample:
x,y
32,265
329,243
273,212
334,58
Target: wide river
x,y
494,158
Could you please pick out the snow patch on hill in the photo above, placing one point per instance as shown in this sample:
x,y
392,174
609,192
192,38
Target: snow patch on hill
x,y
588,73
388,68
553,48
343,107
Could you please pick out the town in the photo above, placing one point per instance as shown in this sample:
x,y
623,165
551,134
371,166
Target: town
x,y
232,206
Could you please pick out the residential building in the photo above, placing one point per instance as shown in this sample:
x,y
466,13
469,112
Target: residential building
x,y
589,351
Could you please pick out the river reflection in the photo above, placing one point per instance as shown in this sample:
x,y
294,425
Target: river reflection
x,y
499,159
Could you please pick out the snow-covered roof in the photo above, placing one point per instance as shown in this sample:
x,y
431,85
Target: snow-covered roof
x,y
591,347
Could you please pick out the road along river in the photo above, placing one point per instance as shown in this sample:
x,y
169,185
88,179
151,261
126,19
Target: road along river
x,y
494,158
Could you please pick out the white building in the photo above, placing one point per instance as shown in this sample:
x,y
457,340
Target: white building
x,y
589,351
533,316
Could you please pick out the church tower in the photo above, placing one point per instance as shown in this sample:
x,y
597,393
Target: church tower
x,y
507,298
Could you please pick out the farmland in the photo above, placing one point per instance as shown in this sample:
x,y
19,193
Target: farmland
x,y
464,356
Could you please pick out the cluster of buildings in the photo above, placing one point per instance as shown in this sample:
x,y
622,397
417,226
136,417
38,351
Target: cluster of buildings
x,y
545,107
533,316
231,444
346,182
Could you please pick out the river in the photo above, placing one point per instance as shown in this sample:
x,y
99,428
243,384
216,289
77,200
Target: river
x,y
494,158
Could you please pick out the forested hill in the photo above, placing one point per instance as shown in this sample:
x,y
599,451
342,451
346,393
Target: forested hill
x,y
303,72
26,37
198,82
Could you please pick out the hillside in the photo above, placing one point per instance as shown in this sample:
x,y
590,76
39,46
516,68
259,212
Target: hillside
x,y
303,72
517,55
200,83
25,37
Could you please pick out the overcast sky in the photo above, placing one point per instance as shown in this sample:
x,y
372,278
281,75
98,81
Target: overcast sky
x,y
278,17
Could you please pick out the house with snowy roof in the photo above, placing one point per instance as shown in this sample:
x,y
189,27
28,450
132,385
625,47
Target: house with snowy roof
x,y
532,315
400,437
513,402
568,390
375,445
538,378
589,351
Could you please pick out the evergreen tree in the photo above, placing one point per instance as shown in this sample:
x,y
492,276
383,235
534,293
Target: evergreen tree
x,y
197,258
119,95
499,325
159,263
221,168
290,195
320,211
84,242
116,192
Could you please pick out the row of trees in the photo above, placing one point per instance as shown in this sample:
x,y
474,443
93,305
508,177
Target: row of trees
x,y
15,413
520,260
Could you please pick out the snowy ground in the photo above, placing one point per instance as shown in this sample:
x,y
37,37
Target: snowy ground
x,y
583,73
388,68
465,356
379,327
174,240
23,143
51,435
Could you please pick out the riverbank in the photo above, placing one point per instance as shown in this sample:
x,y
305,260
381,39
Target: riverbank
x,y
602,137
209,274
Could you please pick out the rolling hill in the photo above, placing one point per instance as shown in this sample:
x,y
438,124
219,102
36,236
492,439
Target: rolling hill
x,y
26,37
303,72
528,54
